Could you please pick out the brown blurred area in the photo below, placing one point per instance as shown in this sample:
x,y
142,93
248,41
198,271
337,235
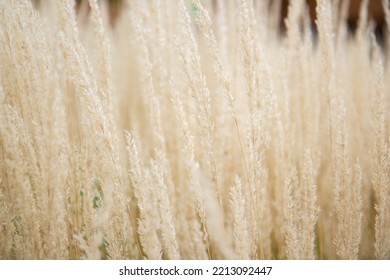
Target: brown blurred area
x,y
114,7
375,10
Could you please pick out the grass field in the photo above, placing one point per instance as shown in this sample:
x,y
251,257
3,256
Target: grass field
x,y
193,130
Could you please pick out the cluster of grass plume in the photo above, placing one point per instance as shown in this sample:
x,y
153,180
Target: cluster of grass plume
x,y
191,129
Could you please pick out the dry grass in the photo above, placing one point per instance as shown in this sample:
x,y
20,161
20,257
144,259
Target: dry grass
x,y
192,131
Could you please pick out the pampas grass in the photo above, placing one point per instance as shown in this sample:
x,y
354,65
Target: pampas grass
x,y
192,130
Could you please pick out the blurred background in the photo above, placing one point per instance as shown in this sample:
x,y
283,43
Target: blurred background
x,y
375,8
